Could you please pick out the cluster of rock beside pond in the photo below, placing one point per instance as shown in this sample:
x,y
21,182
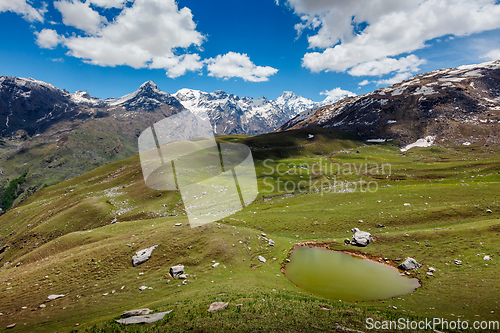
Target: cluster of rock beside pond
x,y
359,238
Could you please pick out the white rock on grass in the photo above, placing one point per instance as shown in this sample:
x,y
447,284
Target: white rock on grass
x,y
409,264
53,297
142,256
215,265
176,270
261,258
141,288
487,257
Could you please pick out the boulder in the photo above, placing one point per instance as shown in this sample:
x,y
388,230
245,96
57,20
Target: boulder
x,y
142,256
138,312
261,259
347,241
361,238
142,288
177,270
147,319
53,297
216,306
409,264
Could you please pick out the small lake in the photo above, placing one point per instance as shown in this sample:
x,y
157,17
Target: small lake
x,y
342,276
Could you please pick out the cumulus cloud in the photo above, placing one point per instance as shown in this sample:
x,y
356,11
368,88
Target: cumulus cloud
x,y
492,55
351,33
148,34
234,64
364,83
395,79
21,7
109,3
79,15
336,94
48,38
387,65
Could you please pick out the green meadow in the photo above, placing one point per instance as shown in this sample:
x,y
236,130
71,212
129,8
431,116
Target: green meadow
x,y
77,238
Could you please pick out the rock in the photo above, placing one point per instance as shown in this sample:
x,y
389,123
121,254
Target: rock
x,y
42,306
409,264
360,238
406,204
183,276
216,306
141,288
360,221
53,297
287,260
147,319
185,282
430,273
457,262
263,234
11,326
380,226
177,270
2,250
138,312
347,241
261,258
431,269
354,230
487,258
215,265
177,224
271,242
142,256
489,211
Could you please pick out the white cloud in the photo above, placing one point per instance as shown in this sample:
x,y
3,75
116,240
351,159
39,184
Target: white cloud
x,y
395,79
109,3
79,15
149,34
239,65
364,83
387,65
336,94
492,55
393,27
48,38
21,7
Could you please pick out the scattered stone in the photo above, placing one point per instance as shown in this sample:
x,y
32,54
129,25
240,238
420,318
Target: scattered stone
x,y
427,245
457,262
430,273
137,312
487,258
346,329
271,243
42,306
489,211
431,269
142,256
53,297
239,304
261,258
183,276
263,234
380,226
105,294
409,264
177,270
177,224
287,260
215,265
141,288
168,281
406,204
360,221
360,238
3,248
147,319
347,241
185,282
216,306
11,326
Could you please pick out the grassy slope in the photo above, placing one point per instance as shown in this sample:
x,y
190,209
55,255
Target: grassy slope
x,y
65,242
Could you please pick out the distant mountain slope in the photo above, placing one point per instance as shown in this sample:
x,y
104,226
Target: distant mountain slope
x,y
461,105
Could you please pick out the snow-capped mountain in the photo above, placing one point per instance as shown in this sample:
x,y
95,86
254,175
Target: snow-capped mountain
x,y
148,97
460,105
231,114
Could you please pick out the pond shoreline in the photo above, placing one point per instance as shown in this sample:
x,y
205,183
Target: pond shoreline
x,y
356,253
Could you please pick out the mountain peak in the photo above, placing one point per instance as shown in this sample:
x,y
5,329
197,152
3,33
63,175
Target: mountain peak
x,y
149,84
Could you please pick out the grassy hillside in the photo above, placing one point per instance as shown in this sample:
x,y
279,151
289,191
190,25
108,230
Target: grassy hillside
x,y
77,238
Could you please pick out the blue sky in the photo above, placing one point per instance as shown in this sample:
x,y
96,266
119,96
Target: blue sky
x,y
248,48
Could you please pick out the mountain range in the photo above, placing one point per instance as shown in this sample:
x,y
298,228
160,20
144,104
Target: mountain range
x,y
456,105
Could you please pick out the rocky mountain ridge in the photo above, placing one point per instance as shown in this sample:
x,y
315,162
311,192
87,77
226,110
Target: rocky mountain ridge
x,y
460,105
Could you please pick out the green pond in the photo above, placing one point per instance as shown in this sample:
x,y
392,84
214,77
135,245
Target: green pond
x,y
345,277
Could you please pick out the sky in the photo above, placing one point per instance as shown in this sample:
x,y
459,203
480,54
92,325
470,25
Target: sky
x,y
315,48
